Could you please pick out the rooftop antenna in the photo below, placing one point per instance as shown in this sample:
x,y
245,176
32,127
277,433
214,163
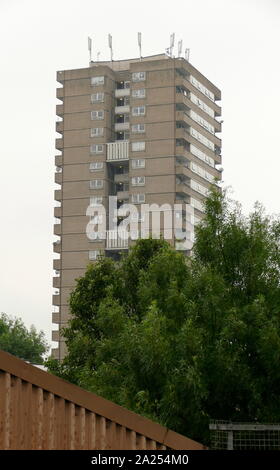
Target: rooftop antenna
x,y
180,46
89,47
140,44
187,54
98,54
172,39
110,45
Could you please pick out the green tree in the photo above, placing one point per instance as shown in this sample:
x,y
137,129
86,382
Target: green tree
x,y
184,340
16,339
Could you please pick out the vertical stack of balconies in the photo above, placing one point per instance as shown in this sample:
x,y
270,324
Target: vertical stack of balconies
x,y
118,160
197,146
58,178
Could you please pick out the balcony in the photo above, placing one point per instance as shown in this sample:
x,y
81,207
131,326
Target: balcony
x,y
58,178
59,109
56,282
57,212
57,229
183,170
123,195
60,93
58,160
121,177
121,92
59,126
121,126
116,240
60,76
57,246
185,245
56,299
56,264
117,151
55,335
55,317
59,144
58,195
122,109
183,187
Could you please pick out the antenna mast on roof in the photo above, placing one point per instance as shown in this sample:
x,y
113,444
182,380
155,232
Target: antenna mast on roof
x,y
172,39
187,54
140,44
180,46
110,45
89,47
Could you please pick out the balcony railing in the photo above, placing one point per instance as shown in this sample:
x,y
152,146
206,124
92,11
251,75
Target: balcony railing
x,y
117,151
120,92
116,240
122,109
121,126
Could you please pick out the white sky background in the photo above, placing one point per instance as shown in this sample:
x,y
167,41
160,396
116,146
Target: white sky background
x,y
234,43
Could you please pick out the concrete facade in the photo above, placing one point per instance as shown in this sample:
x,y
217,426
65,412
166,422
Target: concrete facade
x,y
159,110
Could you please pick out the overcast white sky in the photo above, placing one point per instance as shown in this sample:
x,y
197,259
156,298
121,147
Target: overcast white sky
x,y
235,43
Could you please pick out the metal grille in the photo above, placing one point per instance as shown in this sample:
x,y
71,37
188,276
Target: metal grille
x,y
226,435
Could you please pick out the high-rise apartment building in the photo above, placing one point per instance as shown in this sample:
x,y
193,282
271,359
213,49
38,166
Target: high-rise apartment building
x,y
142,130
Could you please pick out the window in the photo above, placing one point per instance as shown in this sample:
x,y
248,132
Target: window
x,y
97,97
95,115
202,88
96,184
140,163
126,118
137,198
96,81
95,166
138,76
96,200
96,148
202,122
96,132
138,111
202,139
138,181
138,128
138,146
93,255
202,105
199,154
199,188
140,93
201,172
197,204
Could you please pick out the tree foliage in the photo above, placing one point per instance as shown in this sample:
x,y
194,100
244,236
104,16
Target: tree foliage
x,y
16,339
184,340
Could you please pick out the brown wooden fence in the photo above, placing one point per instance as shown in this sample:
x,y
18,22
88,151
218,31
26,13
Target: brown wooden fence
x,y
41,411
